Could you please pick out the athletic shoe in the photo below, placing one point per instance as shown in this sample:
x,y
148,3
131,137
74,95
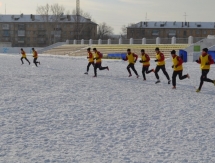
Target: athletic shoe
x,y
29,63
169,82
129,75
197,90
86,73
157,82
173,87
188,76
137,76
108,68
144,79
214,82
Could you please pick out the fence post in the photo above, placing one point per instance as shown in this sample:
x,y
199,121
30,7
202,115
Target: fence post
x,y
120,40
173,40
82,42
190,40
90,42
75,42
144,41
99,41
158,40
131,41
109,41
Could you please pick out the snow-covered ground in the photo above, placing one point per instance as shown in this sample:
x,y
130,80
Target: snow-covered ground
x,y
55,113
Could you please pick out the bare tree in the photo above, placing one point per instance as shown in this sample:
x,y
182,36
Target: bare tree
x,y
51,14
82,13
82,27
123,32
104,31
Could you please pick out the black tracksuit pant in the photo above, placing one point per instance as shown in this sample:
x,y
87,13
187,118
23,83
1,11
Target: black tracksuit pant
x,y
174,75
35,61
163,68
89,64
99,66
145,70
25,59
204,78
131,65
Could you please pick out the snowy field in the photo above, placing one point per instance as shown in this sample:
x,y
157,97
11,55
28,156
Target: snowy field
x,y
56,114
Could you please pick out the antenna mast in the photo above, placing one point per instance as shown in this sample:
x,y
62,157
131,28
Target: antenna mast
x,y
77,17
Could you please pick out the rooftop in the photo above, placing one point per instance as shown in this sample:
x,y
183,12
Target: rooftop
x,y
174,24
41,18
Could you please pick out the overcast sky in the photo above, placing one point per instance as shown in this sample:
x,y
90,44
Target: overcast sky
x,y
122,12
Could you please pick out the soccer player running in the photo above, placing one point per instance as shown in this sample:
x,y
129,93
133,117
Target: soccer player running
x,y
131,58
177,69
98,64
205,60
146,63
160,59
35,56
90,59
24,57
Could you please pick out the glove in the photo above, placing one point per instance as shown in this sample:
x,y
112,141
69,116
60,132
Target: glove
x,y
197,61
141,61
172,66
176,66
156,60
87,57
207,63
135,61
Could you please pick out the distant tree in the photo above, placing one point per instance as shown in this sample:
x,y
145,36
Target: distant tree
x,y
78,28
104,31
51,16
123,32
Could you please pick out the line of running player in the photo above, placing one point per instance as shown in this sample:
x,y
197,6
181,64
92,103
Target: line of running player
x,y
205,60
35,56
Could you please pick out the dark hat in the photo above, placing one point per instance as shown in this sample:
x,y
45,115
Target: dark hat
x,y
157,49
128,50
173,52
21,49
205,50
94,48
32,48
142,50
89,49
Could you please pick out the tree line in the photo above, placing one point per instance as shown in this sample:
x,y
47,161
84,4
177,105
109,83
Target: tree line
x,y
56,11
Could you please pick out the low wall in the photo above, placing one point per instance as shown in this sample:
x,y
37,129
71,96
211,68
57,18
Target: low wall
x,y
16,50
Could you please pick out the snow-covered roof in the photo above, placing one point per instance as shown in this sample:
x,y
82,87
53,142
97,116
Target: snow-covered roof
x,y
38,18
174,24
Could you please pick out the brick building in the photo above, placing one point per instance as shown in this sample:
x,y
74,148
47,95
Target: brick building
x,y
151,30
39,31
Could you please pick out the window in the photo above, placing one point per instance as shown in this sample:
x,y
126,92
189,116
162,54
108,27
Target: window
x,y
204,32
185,33
172,32
5,26
6,33
197,32
155,32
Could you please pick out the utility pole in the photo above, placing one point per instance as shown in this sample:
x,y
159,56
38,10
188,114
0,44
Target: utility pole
x,y
77,17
